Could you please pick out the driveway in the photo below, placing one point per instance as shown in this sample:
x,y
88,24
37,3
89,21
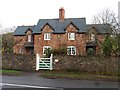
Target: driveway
x,y
33,79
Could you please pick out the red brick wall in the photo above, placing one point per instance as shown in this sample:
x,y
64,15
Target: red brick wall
x,y
101,39
58,40
19,40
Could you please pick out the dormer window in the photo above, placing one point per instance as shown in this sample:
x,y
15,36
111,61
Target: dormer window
x,y
29,38
92,38
71,36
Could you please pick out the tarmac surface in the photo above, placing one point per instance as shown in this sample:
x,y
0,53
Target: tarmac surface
x,y
33,80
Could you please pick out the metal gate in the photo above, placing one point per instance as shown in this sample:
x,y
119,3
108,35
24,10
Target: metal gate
x,y
43,63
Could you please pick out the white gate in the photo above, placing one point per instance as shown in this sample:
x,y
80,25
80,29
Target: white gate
x,y
43,63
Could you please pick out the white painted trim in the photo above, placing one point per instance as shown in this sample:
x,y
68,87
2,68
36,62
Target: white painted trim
x,y
71,51
29,38
48,35
47,48
29,86
37,61
69,35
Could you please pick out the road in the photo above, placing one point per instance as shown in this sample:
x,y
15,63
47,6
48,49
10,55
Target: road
x,y
33,79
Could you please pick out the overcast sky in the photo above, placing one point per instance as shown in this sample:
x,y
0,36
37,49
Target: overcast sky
x,y
28,12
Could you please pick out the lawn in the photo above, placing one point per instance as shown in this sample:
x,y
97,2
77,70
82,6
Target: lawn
x,y
11,72
76,76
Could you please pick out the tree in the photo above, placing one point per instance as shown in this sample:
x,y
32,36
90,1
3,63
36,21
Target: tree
x,y
107,46
108,17
7,42
7,39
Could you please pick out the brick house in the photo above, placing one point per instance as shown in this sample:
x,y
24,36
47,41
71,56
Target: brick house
x,y
70,34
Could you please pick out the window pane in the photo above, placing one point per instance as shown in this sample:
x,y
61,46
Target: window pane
x,y
92,37
71,50
46,49
47,36
29,38
71,36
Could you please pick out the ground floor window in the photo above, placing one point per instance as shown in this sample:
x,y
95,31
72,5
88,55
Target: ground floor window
x,y
91,50
46,50
71,50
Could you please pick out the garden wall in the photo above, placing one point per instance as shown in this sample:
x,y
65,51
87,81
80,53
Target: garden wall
x,y
99,65
19,62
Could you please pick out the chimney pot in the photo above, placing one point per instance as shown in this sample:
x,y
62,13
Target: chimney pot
x,y
61,14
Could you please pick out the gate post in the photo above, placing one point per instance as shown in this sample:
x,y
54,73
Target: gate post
x,y
51,57
37,62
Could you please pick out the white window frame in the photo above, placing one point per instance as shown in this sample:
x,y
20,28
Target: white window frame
x,y
45,48
72,48
47,36
29,38
92,37
21,51
70,37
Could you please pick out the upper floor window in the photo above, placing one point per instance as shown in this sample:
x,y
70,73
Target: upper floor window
x,y
47,36
29,38
71,50
71,36
92,38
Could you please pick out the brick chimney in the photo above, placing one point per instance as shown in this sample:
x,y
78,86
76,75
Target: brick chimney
x,y
61,14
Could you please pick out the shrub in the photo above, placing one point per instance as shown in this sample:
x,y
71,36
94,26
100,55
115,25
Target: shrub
x,y
59,51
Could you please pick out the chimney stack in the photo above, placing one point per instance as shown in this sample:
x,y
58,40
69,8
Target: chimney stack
x,y
61,14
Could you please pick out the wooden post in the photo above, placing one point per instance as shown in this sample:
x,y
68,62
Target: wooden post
x,y
51,57
37,62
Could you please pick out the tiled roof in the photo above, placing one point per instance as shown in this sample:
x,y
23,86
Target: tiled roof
x,y
20,30
101,28
59,27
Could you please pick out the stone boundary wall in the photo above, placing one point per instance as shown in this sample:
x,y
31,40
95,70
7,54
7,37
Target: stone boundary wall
x,y
19,62
100,65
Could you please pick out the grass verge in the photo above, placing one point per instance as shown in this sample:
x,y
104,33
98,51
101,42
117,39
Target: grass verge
x,y
76,76
11,72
